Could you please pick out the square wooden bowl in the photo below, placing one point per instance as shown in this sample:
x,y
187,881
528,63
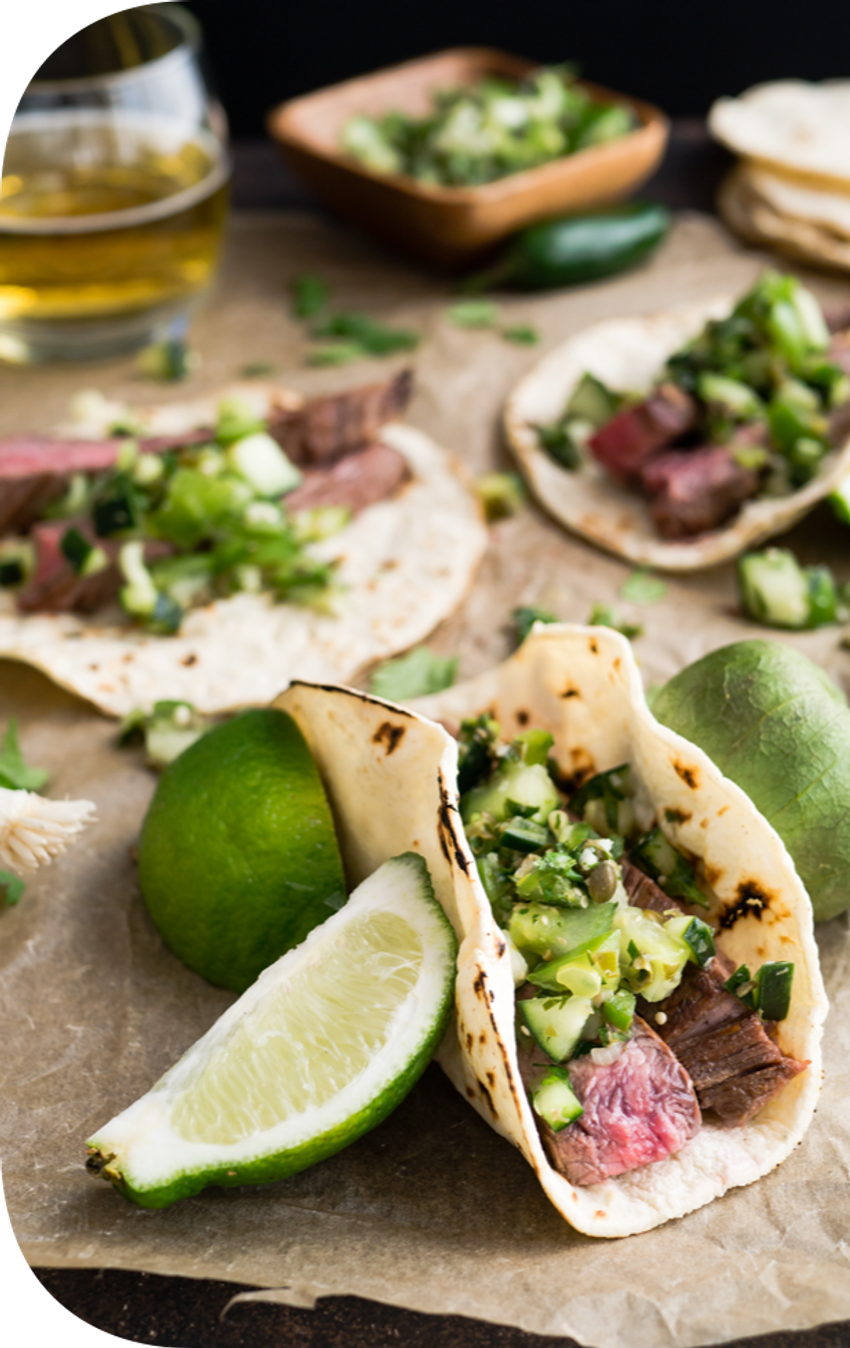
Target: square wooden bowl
x,y
450,226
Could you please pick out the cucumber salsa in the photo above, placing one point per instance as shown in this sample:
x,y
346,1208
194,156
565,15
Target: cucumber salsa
x,y
610,956
750,407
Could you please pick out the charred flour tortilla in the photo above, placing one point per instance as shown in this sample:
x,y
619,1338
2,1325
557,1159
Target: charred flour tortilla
x,y
405,564
583,686
627,354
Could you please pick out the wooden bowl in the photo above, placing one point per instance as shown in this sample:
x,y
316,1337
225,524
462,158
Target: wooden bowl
x,y
449,226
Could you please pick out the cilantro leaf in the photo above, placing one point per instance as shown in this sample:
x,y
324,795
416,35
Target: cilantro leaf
x,y
413,675
603,615
473,314
374,337
309,295
642,587
11,889
521,335
14,773
524,618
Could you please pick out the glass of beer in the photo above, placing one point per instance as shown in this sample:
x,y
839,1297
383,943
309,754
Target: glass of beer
x,y
114,191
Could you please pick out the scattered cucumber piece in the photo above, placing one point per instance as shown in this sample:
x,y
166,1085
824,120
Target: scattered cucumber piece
x,y
554,1099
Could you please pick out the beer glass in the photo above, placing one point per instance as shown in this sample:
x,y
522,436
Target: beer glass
x,y
114,190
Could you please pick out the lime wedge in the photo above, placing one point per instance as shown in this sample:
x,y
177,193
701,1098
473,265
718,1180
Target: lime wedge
x,y
318,1051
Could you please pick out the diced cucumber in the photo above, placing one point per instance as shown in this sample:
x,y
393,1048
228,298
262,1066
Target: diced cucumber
x,y
773,588
736,399
554,1100
261,461
592,401
539,928
556,1023
523,835
696,934
527,784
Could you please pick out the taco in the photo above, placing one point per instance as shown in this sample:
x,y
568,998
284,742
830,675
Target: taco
x,y
208,551
632,1022
680,439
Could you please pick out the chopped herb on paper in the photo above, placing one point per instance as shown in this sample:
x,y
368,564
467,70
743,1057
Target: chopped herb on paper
x,y
642,587
603,615
14,773
524,618
501,495
375,339
257,369
168,361
336,353
309,295
521,335
473,314
413,675
11,889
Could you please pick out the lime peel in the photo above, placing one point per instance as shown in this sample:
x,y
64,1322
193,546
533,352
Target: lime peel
x,y
300,1014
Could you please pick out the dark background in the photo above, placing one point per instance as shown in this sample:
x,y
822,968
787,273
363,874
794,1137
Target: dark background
x,y
680,54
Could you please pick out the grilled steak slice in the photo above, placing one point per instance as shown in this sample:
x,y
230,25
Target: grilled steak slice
x,y
638,1109
35,470
55,587
357,481
645,893
696,490
325,429
734,1064
625,443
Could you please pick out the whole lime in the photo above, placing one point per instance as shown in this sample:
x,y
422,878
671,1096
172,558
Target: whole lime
x,y
776,724
238,857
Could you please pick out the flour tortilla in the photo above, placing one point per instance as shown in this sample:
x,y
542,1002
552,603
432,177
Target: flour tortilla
x,y
791,126
406,564
582,684
628,354
807,224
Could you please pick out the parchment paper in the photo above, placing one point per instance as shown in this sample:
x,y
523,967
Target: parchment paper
x,y
431,1211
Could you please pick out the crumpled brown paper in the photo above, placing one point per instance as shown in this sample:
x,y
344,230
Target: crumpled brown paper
x,y
431,1211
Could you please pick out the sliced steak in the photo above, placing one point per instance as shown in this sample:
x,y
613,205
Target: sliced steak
x,y
56,588
696,490
327,428
734,1064
645,893
35,470
357,481
626,442
638,1109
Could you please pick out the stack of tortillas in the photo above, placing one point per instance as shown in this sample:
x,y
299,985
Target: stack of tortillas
x,y
792,187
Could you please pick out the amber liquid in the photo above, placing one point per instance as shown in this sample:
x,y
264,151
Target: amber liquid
x,y
102,216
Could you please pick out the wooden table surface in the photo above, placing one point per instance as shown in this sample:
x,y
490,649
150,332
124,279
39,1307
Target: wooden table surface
x,y
189,1313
